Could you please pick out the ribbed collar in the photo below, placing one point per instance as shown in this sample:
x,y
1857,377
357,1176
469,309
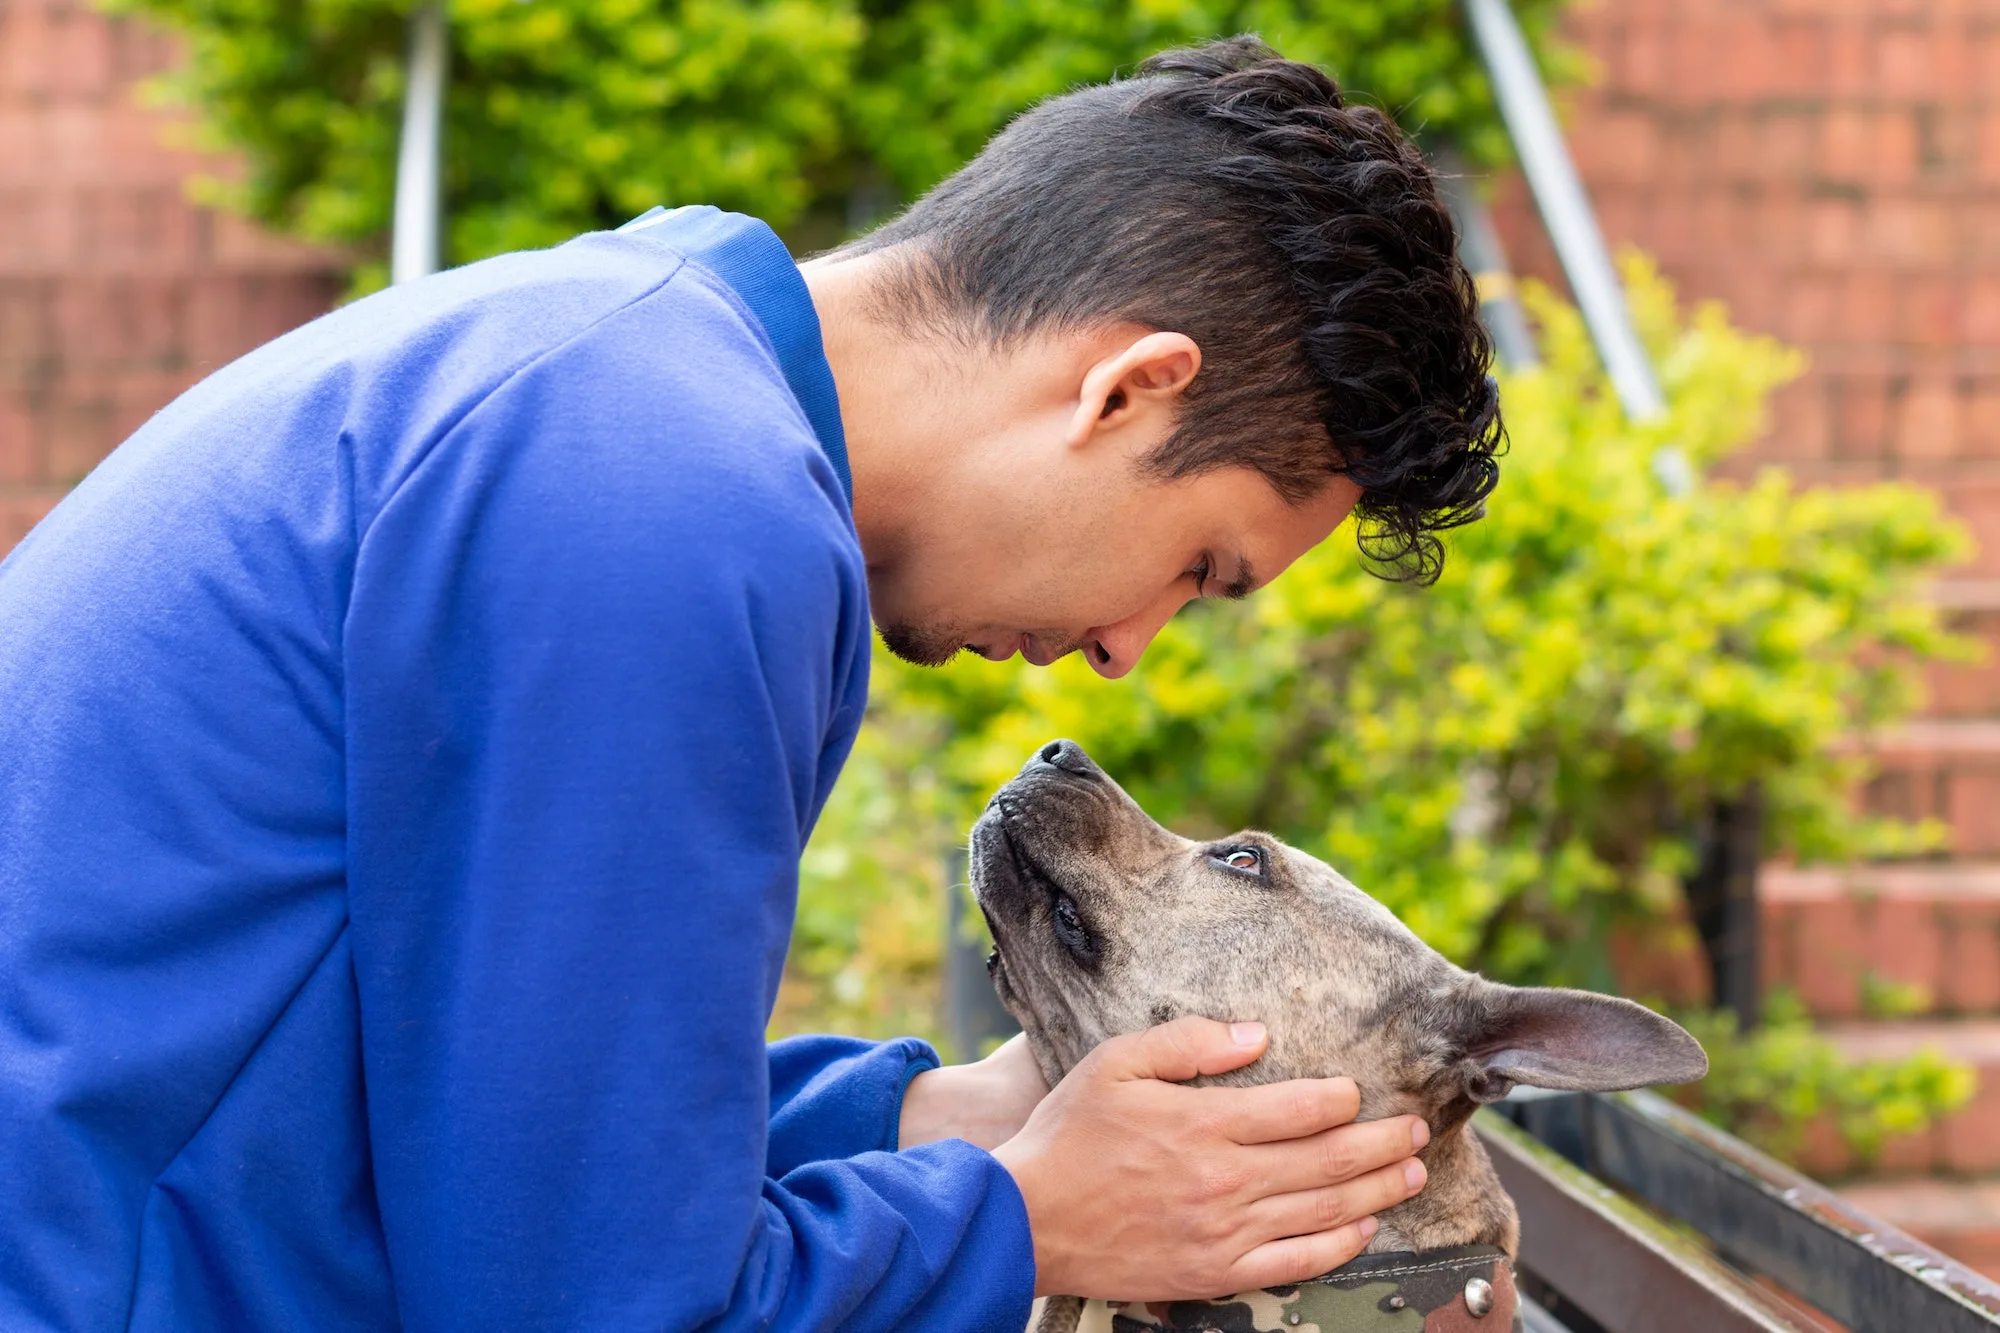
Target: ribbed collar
x,y
748,255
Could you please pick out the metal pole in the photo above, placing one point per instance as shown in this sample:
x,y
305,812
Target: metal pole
x,y
414,249
973,1014
1565,208
1480,248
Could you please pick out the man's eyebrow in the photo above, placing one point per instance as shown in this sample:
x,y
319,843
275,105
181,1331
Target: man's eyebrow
x,y
1239,587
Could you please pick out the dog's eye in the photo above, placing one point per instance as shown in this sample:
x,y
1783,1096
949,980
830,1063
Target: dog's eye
x,y
1075,936
1247,859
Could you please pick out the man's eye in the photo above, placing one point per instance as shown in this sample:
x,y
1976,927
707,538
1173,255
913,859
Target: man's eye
x,y
1243,858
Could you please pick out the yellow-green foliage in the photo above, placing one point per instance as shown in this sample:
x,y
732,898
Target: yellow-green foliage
x,y
1508,759
568,115
1768,1085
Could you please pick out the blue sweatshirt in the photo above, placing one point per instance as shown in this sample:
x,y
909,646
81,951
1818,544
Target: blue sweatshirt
x,y
407,740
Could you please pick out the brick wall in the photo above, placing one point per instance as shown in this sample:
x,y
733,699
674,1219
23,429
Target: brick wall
x,y
1831,170
115,292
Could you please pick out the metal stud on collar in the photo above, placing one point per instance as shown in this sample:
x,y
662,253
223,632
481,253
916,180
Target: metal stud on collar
x,y
1479,1297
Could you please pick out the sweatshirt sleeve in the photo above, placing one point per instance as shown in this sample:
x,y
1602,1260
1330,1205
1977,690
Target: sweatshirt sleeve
x,y
604,654
838,1096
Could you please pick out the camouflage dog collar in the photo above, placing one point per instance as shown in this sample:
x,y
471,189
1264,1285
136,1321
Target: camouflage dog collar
x,y
1463,1289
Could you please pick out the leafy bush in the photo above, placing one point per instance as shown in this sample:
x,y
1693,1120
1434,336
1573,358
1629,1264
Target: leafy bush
x,y
568,115
1511,760
1770,1084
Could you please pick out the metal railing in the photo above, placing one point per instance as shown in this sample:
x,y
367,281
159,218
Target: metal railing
x,y
1637,1217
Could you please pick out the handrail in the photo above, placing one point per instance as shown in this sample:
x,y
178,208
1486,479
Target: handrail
x,y
1763,1215
1625,1270
1565,208
414,245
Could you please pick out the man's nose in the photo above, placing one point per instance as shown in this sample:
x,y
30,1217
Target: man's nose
x,y
1113,650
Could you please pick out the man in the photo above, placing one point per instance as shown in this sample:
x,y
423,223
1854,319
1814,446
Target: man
x,y
408,737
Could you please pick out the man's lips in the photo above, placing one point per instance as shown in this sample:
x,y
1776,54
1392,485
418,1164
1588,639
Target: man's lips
x,y
1027,645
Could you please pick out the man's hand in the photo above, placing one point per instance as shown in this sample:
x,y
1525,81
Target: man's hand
x,y
1138,1189
985,1103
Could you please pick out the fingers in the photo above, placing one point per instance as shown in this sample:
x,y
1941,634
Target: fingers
x,y
1306,1212
1292,1110
1342,1153
1180,1050
1280,1263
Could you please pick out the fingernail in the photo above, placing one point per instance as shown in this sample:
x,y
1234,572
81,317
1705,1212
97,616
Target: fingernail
x,y
1368,1227
1246,1034
1413,1172
1420,1134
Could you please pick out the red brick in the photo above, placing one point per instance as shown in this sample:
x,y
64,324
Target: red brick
x,y
120,321
1970,1140
1619,146
1788,139
142,227
20,454
1746,60
1982,422
1927,311
1975,797
1981,310
18,513
1830,952
1801,44
80,53
1646,64
24,52
1850,59
1908,232
1971,966
26,326
1927,419
1861,417
23,145
1909,61
1983,56
1800,428
139,49
1988,160
1833,229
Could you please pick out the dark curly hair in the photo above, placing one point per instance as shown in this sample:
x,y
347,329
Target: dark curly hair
x,y
1234,196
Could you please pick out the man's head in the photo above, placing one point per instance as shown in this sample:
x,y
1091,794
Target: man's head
x,y
1161,336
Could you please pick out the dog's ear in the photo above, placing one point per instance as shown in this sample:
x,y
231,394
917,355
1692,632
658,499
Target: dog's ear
x,y
1571,1040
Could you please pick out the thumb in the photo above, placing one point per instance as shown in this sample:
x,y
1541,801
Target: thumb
x,y
1182,1049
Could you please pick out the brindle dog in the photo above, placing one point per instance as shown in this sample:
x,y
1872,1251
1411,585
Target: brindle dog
x,y
1106,923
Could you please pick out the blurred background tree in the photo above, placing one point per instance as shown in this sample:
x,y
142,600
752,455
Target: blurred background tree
x,y
565,116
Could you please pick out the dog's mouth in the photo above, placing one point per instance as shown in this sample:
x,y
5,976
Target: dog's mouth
x,y
1016,893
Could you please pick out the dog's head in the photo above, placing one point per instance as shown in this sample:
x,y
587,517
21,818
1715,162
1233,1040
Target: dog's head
x,y
1107,923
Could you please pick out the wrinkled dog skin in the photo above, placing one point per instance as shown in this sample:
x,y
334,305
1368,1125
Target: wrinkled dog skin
x,y
1107,923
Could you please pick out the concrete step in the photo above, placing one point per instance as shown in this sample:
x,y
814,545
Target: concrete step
x,y
1967,689
1966,1143
1960,1217
1847,938
1943,768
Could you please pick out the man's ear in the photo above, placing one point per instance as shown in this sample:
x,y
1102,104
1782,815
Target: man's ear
x,y
1571,1040
1145,377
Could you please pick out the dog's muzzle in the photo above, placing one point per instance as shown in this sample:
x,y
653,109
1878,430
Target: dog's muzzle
x,y
1462,1289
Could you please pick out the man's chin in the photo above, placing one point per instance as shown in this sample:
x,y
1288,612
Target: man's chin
x,y
921,647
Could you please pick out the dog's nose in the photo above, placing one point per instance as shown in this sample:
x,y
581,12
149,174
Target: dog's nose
x,y
1065,755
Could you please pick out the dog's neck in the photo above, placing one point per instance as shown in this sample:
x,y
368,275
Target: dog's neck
x,y
1461,1203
